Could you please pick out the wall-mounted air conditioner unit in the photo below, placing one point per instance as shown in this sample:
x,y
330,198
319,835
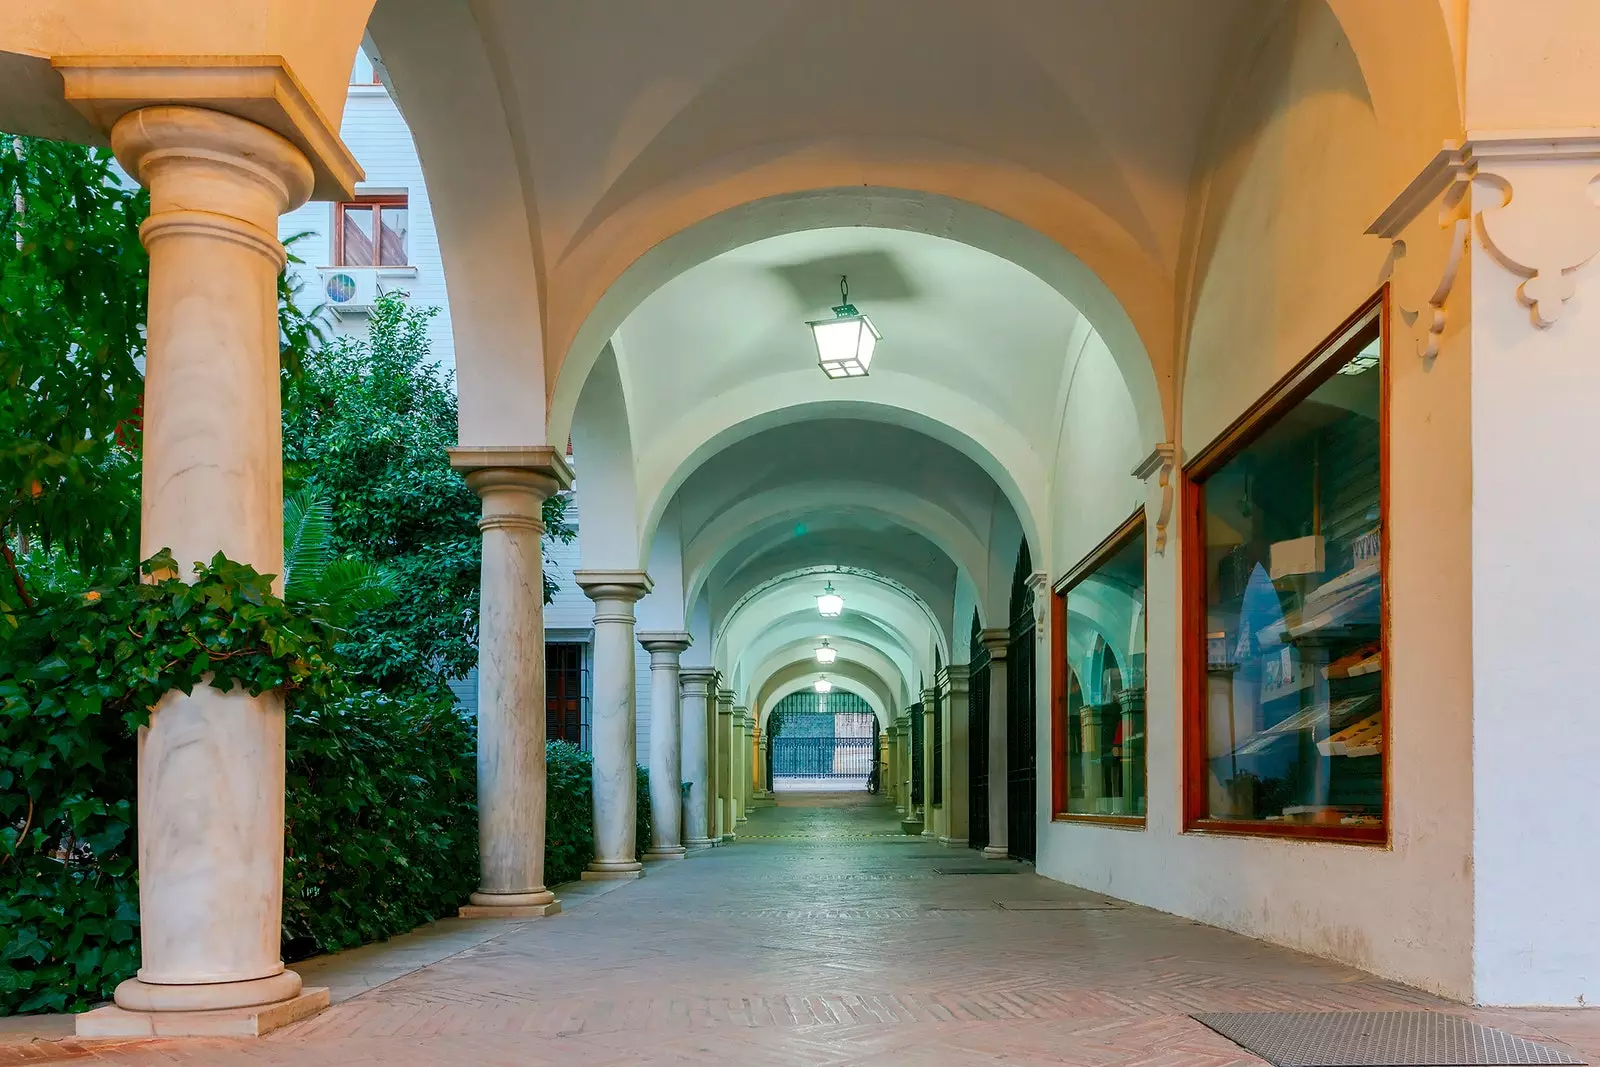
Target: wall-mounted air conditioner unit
x,y
350,290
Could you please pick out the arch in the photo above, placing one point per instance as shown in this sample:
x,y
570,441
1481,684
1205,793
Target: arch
x,y
1011,213
998,450
730,530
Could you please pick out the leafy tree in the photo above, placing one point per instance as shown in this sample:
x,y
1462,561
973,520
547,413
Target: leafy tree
x,y
338,587
72,307
367,423
73,290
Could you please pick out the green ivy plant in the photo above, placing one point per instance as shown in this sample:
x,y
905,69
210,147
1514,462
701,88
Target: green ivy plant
x,y
83,669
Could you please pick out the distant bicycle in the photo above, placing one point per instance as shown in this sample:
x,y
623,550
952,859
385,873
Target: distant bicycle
x,y
872,780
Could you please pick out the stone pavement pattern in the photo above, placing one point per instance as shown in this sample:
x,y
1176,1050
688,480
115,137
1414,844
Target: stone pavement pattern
x,y
823,936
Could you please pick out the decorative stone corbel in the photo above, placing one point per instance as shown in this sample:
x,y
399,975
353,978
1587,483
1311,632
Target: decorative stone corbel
x,y
1163,458
1039,588
1547,223
1541,222
1423,270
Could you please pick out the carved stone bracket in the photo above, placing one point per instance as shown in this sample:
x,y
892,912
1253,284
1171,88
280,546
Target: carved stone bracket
x,y
1039,588
1423,271
1534,210
1546,224
1162,458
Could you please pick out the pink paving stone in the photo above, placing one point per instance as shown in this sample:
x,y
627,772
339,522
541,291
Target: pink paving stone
x,y
823,936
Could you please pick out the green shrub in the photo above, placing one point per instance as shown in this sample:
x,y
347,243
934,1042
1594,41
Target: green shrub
x,y
78,676
569,811
381,829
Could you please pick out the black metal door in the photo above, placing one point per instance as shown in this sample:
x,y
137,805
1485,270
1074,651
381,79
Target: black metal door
x,y
916,754
1022,795
978,741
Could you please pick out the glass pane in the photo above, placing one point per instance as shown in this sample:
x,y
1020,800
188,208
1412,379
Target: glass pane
x,y
1104,706
356,224
392,251
1294,658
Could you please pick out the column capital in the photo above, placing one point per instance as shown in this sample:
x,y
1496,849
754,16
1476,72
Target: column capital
x,y
674,641
538,468
629,586
995,639
258,90
697,680
954,677
929,695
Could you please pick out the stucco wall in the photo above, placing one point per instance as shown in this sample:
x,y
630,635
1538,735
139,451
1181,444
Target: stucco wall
x,y
1298,173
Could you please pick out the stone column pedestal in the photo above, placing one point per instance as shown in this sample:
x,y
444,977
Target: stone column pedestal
x,y
513,483
612,731
996,640
930,698
695,683
211,763
666,777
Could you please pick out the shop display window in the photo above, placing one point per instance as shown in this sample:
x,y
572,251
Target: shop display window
x,y
1099,683
1285,586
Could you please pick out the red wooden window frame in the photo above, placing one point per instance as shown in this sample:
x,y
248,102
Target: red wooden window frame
x,y
1324,361
373,204
1130,528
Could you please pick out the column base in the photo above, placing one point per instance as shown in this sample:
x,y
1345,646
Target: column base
x,y
698,844
672,852
612,871
726,838
112,1021
911,827
953,842
996,852
508,911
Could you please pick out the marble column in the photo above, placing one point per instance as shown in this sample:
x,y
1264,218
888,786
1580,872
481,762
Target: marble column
x,y
666,763
995,640
714,757
929,697
513,484
956,753
612,739
210,763
726,764
741,764
694,682
891,765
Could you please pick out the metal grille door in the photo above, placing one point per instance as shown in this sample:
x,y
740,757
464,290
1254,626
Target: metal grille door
x,y
814,737
978,742
1022,796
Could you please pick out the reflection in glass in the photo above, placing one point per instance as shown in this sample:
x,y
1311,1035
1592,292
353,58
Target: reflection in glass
x,y
1293,712
392,225
357,236
1104,705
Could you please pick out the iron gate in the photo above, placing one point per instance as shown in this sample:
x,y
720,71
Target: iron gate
x,y
822,736
1022,795
978,741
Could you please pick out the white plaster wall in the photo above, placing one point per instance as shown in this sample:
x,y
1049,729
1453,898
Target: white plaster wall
x,y
378,137
1296,176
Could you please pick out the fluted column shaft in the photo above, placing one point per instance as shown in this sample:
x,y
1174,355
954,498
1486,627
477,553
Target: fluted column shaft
x,y
612,731
211,764
695,683
666,762
995,641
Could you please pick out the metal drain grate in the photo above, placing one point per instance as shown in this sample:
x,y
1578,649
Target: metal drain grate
x,y
977,870
1058,905
1376,1039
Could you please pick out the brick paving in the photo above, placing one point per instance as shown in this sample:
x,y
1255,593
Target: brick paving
x,y
823,936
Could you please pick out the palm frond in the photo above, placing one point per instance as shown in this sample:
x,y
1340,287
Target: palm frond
x,y
307,542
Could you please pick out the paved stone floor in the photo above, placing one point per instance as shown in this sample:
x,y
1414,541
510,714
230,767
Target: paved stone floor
x,y
821,937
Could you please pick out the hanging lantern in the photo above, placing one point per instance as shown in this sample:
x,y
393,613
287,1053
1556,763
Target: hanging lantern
x,y
846,341
822,685
830,605
826,654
